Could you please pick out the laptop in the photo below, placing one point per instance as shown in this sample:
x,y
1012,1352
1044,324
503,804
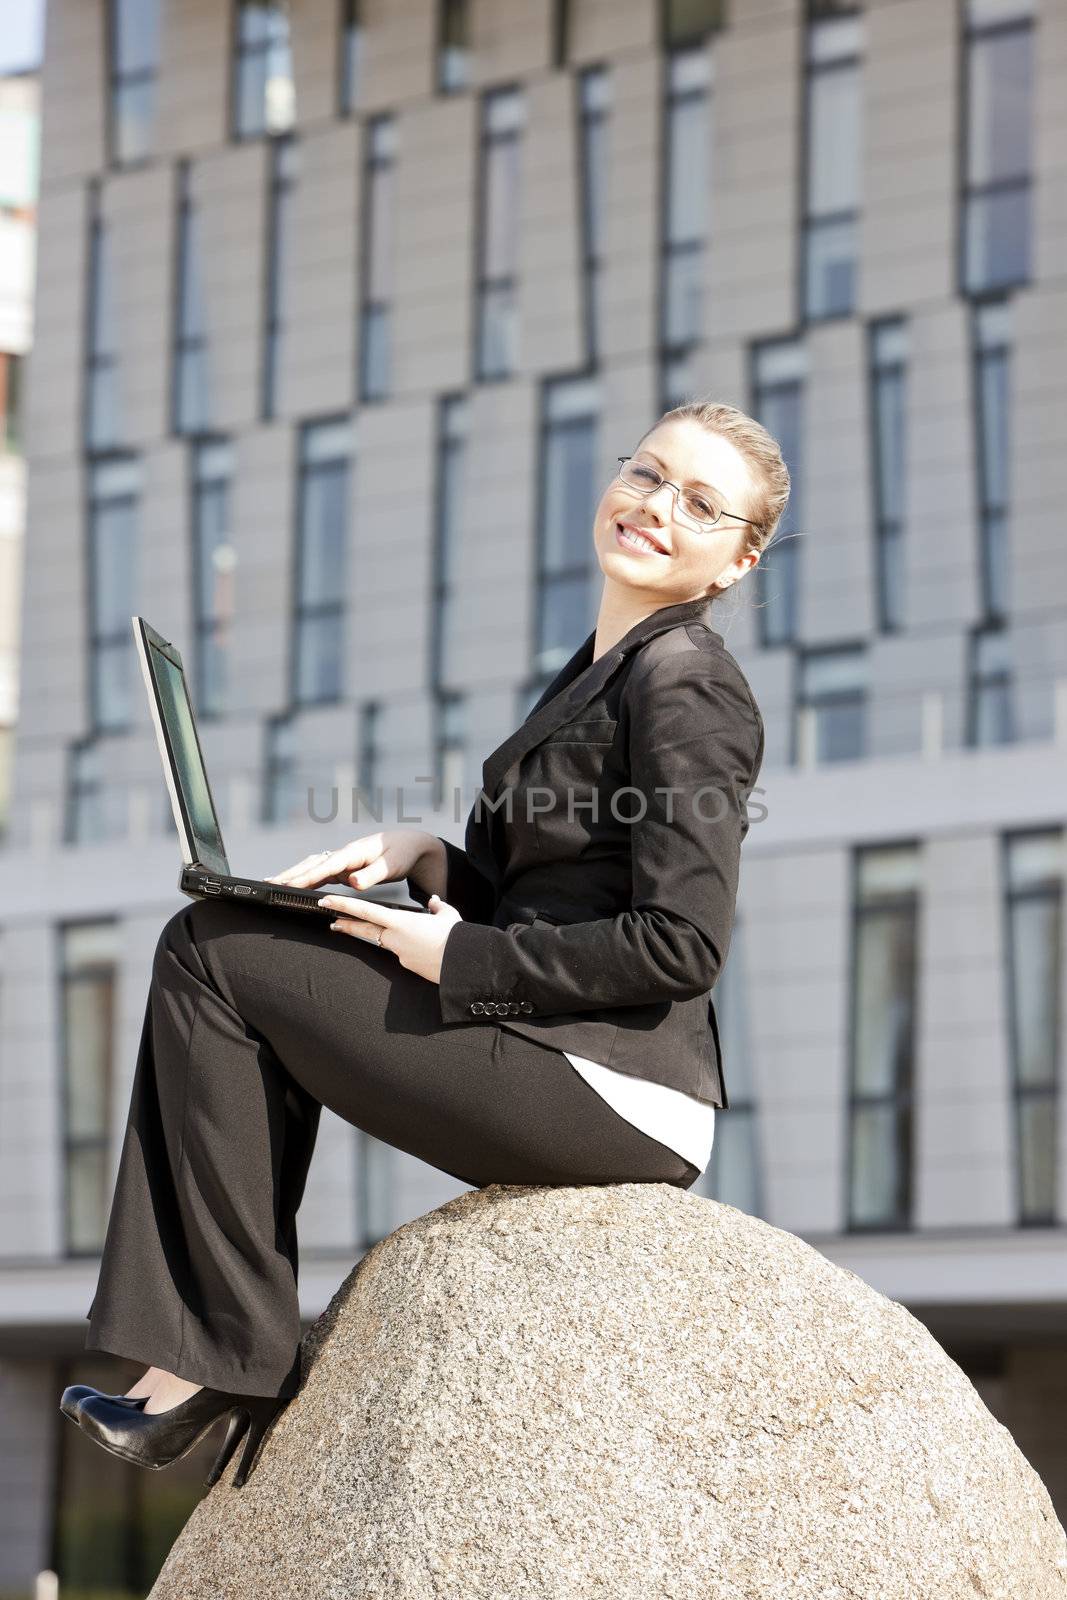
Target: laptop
x,y
205,868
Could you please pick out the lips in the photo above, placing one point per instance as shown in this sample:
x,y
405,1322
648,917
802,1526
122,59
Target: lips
x,y
645,533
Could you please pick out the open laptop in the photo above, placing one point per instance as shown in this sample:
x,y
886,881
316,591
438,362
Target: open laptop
x,y
205,869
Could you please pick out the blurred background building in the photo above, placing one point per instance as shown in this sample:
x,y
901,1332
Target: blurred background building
x,y
344,313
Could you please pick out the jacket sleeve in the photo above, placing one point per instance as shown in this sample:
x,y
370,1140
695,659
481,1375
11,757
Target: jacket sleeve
x,y
695,745
465,887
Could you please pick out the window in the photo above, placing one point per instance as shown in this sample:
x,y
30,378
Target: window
x,y
88,962
779,370
284,172
95,807
888,357
734,1175
833,703
687,184
10,401
882,1038
134,59
594,92
114,498
503,117
191,397
451,750
992,342
368,756
446,619
990,711
352,46
103,409
997,214
566,560
263,100
834,165
322,540
375,1189
377,273
214,563
561,33
281,798
453,46
1034,865
688,22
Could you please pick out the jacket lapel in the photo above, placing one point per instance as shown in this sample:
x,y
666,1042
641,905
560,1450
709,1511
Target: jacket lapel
x,y
579,681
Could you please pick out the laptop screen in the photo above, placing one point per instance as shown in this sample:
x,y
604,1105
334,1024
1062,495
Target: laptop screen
x,y
190,793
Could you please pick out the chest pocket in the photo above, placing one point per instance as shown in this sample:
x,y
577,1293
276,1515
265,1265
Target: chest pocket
x,y
571,762
591,730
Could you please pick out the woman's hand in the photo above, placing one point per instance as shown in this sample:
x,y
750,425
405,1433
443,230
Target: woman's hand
x,y
376,858
416,938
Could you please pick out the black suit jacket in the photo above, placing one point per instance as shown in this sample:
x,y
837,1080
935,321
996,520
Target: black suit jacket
x,y
582,928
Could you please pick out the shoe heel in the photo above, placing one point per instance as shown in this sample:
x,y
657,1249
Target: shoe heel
x,y
234,1433
261,1413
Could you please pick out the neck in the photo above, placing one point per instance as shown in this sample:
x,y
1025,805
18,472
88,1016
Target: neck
x,y
621,610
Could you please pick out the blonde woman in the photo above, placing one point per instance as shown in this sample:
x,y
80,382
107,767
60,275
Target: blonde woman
x,y
549,1021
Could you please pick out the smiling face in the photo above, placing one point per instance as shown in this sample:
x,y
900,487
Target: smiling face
x,y
686,562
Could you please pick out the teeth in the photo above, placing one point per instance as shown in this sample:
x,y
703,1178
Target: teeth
x,y
638,539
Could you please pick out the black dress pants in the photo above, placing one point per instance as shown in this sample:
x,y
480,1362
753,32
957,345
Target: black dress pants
x,y
254,1021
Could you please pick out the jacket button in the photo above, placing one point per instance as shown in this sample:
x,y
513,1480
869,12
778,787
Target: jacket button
x,y
501,1008
513,1007
525,1005
477,1007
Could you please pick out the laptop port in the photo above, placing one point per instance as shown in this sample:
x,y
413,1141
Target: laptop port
x,y
242,888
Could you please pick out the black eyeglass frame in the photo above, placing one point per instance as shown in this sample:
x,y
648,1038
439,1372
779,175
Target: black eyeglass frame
x,y
677,496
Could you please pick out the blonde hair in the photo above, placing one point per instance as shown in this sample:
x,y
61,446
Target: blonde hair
x,y
769,494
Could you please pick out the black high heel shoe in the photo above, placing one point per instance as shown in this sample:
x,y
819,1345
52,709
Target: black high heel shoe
x,y
75,1393
156,1439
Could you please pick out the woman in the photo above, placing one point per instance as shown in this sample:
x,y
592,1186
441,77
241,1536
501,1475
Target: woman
x,y
549,1019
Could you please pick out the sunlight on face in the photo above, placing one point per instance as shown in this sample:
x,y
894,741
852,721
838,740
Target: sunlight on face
x,y
687,561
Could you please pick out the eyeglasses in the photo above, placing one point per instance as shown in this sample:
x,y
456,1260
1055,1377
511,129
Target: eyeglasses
x,y
701,507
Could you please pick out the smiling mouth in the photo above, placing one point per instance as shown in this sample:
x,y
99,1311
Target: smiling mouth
x,y
638,541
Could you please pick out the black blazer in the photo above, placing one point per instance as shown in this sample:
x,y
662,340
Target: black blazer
x,y
586,930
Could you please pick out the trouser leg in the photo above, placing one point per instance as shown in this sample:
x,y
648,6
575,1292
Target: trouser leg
x,y
253,1023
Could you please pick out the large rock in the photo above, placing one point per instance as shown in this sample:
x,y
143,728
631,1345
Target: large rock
x,y
621,1391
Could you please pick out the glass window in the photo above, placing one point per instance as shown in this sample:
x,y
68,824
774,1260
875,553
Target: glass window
x,y
688,180
114,511
319,666
992,347
992,719
888,357
883,997
1035,864
567,565
595,100
688,22
214,568
997,215
378,210
264,99
88,961
103,418
10,401
779,371
498,233
447,621
352,49
134,48
834,166
284,172
192,398
453,50
834,694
